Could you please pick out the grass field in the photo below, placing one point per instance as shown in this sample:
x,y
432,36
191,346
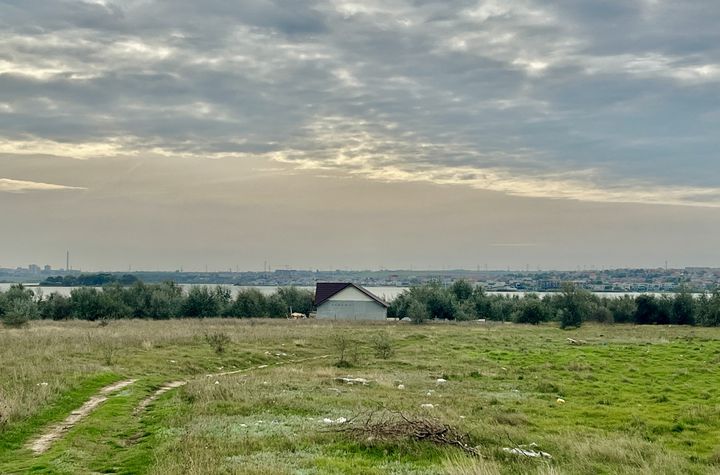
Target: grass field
x,y
637,399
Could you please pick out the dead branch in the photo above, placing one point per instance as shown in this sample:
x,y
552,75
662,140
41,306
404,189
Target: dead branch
x,y
396,426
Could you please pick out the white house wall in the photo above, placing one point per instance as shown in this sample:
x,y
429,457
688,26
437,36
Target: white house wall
x,y
351,304
351,294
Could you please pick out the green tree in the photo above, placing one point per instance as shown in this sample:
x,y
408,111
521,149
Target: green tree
x,y
56,307
461,289
296,299
17,306
532,310
166,301
248,303
709,309
647,310
465,311
600,314
623,309
276,307
572,305
417,312
683,308
201,302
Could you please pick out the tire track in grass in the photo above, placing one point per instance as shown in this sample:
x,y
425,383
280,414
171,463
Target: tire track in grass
x,y
159,392
176,384
43,443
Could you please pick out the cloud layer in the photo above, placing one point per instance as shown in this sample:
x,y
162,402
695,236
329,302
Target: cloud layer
x,y
601,101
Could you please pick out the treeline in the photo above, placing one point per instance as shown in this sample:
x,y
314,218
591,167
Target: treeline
x,y
571,307
459,301
89,280
155,301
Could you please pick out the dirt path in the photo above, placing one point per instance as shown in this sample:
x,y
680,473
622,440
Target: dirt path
x,y
176,384
43,443
263,366
159,392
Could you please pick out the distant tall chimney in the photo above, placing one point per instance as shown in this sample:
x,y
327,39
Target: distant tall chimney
x,y
67,260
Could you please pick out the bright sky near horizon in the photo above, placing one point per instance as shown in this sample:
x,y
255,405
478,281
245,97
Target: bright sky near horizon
x,y
338,133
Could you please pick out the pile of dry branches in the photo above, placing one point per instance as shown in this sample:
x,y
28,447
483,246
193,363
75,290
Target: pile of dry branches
x,y
395,426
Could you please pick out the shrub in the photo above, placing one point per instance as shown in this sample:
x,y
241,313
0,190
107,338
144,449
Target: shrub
x,y
531,311
572,304
462,289
417,312
56,307
466,311
383,346
601,314
218,341
19,314
347,350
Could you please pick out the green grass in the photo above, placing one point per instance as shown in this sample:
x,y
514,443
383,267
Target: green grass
x,y
13,437
638,399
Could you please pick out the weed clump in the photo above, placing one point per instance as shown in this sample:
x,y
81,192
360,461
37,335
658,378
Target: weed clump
x,y
383,346
347,350
218,341
548,388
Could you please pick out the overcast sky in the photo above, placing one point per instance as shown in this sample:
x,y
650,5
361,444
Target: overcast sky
x,y
368,133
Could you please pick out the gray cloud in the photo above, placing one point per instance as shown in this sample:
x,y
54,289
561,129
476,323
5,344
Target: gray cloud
x,y
613,101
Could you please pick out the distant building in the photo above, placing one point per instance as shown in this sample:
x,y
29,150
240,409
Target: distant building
x,y
47,268
34,268
348,301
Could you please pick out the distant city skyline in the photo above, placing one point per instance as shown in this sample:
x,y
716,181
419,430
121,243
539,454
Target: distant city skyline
x,y
336,133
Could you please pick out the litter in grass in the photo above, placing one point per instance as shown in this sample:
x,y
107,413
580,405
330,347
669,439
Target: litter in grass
x,y
339,420
351,380
401,386
560,400
440,381
528,452
427,406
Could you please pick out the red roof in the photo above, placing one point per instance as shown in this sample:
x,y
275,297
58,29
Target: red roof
x,y
325,290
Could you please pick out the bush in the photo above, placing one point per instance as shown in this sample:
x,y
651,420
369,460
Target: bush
x,y
383,346
19,313
465,311
218,341
462,289
417,312
347,350
601,314
622,308
532,311
56,307
249,303
572,304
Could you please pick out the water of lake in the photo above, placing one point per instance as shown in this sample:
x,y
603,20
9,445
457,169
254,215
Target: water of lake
x,y
386,293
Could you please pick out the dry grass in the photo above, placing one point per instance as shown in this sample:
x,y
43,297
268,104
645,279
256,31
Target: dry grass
x,y
639,399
